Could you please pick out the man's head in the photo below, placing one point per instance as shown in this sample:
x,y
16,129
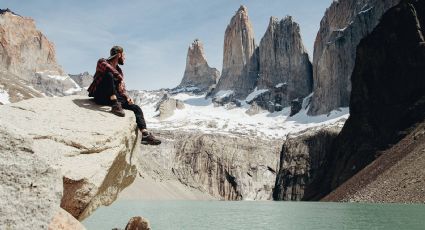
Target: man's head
x,y
117,52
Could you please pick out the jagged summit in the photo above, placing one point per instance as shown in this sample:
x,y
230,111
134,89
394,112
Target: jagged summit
x,y
243,9
240,57
198,73
343,26
285,69
7,10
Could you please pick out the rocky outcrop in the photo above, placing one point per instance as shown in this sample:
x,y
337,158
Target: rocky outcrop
x,y
396,176
65,221
27,54
83,79
198,73
387,98
167,106
16,89
301,163
64,144
344,25
30,188
284,62
240,56
228,168
138,223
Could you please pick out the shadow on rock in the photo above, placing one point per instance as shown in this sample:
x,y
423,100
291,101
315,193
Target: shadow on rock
x,y
89,103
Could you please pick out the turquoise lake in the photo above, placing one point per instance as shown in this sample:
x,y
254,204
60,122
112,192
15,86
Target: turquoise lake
x,y
197,215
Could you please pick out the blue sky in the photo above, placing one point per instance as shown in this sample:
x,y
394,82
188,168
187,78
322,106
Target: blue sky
x,y
155,34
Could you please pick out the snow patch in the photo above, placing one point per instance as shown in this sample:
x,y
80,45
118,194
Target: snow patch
x,y
223,93
4,97
54,76
200,115
280,85
255,93
77,88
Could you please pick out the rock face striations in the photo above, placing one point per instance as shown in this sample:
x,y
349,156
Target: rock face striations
x,y
342,28
64,156
387,98
240,60
301,163
27,60
228,168
285,68
284,60
198,73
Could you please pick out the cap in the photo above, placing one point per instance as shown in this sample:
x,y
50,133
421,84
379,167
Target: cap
x,y
114,51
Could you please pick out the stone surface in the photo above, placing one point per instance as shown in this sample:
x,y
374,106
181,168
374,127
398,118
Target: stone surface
x,y
396,176
30,188
253,109
296,106
388,97
138,223
16,88
83,79
90,147
284,61
26,53
301,163
345,24
167,106
65,221
240,56
198,73
226,167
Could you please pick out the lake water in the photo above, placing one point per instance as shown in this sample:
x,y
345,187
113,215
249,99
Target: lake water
x,y
198,215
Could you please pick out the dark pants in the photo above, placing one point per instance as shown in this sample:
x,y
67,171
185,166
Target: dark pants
x,y
107,88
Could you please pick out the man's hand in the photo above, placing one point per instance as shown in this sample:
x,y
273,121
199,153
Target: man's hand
x,y
130,101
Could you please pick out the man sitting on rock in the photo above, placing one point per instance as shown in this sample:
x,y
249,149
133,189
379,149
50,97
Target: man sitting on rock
x,y
108,88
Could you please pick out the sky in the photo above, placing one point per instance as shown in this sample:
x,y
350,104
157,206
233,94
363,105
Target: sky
x,y
155,34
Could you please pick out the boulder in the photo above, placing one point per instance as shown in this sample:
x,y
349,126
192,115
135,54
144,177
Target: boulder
x,y
167,106
65,221
138,223
87,148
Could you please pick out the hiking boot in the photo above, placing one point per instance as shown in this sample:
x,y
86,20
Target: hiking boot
x,y
149,139
117,109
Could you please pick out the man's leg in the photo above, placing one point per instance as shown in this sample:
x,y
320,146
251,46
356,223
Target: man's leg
x,y
106,94
147,138
140,119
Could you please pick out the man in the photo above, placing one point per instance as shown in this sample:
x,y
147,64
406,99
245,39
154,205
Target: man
x,y
108,88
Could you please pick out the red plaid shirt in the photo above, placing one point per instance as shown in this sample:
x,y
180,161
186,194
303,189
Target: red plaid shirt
x,y
102,67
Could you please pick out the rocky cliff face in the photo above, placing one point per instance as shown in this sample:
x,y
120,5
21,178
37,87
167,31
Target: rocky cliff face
x,y
83,79
301,163
198,73
58,152
240,56
387,98
167,106
229,168
30,188
342,28
284,62
27,54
